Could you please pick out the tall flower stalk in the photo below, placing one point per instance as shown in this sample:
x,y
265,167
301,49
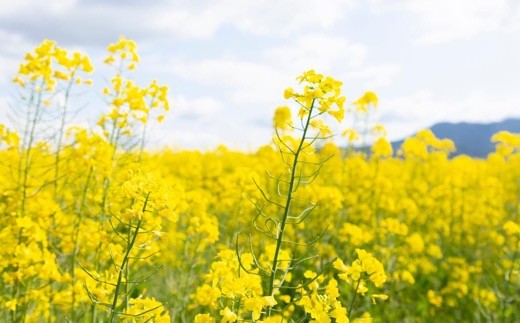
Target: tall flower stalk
x,y
319,97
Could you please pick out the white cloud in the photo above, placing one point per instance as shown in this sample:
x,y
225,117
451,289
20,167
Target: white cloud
x,y
222,72
405,115
322,51
445,20
182,139
262,79
4,105
250,88
440,21
333,55
276,67
375,77
8,7
262,17
286,17
176,134
10,55
241,81
9,67
203,107
95,21
185,23
11,43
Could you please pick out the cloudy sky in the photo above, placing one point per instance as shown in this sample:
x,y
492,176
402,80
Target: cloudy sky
x,y
227,62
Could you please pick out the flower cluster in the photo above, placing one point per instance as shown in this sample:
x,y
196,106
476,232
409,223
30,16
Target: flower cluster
x,y
123,52
324,91
49,64
131,104
365,268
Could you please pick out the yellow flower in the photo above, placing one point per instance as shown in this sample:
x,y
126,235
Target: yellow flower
x,y
416,243
289,93
365,264
512,228
256,304
369,99
434,299
282,118
323,92
382,148
228,316
204,318
126,50
146,309
378,296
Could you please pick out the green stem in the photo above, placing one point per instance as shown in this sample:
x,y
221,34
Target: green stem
x,y
353,298
126,258
25,136
143,138
76,244
60,135
127,272
26,168
279,239
508,281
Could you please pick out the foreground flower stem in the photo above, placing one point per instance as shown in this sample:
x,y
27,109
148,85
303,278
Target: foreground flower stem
x,y
124,263
287,208
76,243
508,280
353,298
28,150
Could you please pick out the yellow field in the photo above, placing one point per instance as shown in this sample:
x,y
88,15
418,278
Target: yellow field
x,y
95,228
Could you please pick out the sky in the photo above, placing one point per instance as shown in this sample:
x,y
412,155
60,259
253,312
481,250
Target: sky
x,y
227,62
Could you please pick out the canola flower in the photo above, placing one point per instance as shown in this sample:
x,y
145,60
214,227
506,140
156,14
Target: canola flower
x,y
97,228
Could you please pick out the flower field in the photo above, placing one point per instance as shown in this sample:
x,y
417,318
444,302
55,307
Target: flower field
x,y
97,228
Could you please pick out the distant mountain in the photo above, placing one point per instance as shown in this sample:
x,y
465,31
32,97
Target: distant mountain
x,y
473,139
